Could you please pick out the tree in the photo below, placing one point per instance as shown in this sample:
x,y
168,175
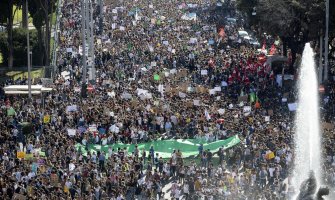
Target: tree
x,y
19,46
6,17
294,21
39,10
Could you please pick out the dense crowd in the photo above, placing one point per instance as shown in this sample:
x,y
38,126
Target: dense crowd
x,y
165,70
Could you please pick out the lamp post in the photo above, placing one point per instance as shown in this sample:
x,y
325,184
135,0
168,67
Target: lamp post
x,y
28,55
326,42
83,24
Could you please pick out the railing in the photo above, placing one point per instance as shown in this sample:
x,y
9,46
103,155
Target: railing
x,y
55,43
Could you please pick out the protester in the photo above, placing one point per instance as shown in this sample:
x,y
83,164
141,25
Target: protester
x,y
165,70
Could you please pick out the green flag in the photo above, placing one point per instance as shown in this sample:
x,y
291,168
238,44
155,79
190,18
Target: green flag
x,y
10,111
156,77
252,97
164,148
158,22
129,46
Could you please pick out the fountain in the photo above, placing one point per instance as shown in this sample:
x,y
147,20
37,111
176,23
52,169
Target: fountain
x,y
307,136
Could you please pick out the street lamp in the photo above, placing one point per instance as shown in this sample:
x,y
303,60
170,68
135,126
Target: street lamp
x,y
28,55
326,41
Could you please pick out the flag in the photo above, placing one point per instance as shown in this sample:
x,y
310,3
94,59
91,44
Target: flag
x,y
273,49
11,112
156,77
252,97
136,16
208,117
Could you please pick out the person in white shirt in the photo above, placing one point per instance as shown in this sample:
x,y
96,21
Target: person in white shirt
x,y
177,193
186,190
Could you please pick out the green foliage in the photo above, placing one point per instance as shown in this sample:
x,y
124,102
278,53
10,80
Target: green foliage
x,y
20,47
295,21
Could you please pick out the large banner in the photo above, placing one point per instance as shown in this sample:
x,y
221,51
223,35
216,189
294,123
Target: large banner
x,y
164,148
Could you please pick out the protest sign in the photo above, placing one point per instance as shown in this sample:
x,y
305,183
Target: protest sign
x,y
196,102
20,154
217,89
204,72
182,95
212,91
72,108
92,128
247,109
221,111
153,64
69,50
267,118
126,95
46,119
71,132
292,106
173,71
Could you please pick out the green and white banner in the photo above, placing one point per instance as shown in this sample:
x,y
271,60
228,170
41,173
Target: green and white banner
x,y
164,148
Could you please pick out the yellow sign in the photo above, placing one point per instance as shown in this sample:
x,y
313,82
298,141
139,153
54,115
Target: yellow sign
x,y
46,119
20,154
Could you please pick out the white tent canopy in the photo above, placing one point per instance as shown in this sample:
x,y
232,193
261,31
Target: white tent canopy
x,y
23,89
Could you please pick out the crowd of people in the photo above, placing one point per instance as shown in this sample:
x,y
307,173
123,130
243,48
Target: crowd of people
x,y
164,70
